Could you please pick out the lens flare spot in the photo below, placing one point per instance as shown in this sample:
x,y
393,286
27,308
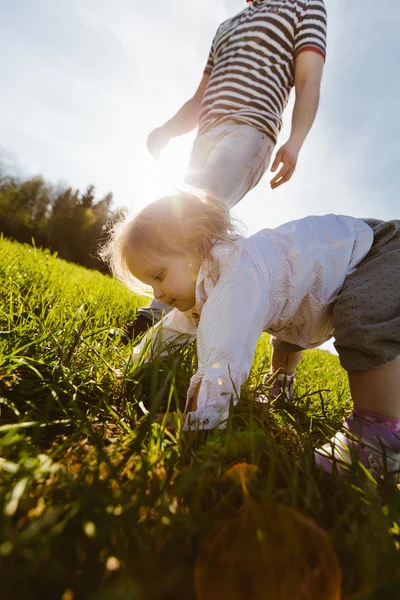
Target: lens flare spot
x,y
177,207
112,564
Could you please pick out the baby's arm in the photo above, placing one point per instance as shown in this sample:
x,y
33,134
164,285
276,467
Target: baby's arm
x,y
176,329
231,322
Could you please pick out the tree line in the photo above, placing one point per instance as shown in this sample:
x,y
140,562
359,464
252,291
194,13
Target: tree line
x,y
64,220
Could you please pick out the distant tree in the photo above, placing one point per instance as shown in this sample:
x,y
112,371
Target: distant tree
x,y
24,209
102,215
66,221
61,226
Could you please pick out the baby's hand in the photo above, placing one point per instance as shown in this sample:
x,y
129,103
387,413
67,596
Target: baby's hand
x,y
172,419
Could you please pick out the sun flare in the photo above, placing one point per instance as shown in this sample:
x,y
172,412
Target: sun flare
x,y
158,177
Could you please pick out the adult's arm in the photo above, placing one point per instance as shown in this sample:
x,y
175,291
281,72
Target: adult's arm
x,y
308,75
309,57
182,122
309,66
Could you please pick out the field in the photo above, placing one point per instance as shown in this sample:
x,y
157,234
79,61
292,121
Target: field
x,y
100,502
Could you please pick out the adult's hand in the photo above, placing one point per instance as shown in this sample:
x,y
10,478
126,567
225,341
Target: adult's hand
x,y
286,160
157,141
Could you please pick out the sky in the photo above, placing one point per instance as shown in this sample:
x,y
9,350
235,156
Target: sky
x,y
84,83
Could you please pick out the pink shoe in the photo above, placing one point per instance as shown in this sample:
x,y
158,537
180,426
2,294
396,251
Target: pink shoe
x,y
374,445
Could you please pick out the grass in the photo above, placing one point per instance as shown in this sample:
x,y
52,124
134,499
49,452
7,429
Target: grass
x,y
98,502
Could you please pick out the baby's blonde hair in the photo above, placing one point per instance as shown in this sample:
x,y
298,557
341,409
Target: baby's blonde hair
x,y
186,220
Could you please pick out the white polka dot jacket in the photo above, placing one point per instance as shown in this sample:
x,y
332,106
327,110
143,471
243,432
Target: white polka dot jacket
x,y
283,281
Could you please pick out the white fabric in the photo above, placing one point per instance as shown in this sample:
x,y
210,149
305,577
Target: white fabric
x,y
283,281
229,160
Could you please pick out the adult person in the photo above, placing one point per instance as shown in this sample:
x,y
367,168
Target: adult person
x,y
256,58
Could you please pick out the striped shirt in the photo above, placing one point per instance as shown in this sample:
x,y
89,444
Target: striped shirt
x,y
251,62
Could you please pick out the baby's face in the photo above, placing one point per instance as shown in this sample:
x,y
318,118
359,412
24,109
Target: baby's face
x,y
172,277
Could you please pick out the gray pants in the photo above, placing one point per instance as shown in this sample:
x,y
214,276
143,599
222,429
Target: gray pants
x,y
226,161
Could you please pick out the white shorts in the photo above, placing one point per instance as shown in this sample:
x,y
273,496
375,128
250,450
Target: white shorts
x,y
229,160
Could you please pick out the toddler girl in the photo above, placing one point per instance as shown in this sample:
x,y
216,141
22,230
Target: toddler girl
x,y
303,282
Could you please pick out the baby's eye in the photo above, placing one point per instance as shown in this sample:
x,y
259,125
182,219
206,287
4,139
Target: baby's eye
x,y
160,276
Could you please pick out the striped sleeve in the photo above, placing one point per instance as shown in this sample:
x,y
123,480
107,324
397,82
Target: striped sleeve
x,y
210,61
311,28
